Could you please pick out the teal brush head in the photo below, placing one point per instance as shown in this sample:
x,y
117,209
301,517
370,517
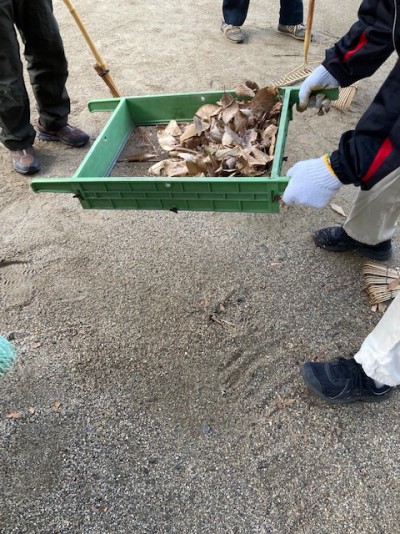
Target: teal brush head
x,y
7,355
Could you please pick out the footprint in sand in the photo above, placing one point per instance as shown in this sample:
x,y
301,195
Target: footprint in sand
x,y
16,284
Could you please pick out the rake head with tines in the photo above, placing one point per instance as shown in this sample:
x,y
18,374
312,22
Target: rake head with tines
x,y
346,96
381,283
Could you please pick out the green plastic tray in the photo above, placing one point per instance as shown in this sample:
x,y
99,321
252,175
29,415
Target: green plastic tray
x,y
95,189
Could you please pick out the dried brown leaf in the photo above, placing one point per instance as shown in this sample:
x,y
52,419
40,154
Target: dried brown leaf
x,y
250,159
269,132
274,113
225,153
142,156
190,131
173,129
284,403
229,112
207,111
240,121
167,141
261,157
244,91
264,101
338,209
176,168
272,145
182,149
201,126
168,167
195,167
57,406
13,415
215,134
231,138
247,89
195,142
249,137
226,100
157,169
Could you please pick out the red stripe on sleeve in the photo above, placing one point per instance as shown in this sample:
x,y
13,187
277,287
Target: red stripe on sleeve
x,y
380,157
362,42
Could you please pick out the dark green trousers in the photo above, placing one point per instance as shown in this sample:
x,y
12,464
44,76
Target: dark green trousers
x,y
47,68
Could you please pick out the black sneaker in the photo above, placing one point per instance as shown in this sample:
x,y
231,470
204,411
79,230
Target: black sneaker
x,y
69,135
25,161
335,239
342,381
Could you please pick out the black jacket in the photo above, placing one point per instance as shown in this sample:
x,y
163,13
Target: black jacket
x,y
372,150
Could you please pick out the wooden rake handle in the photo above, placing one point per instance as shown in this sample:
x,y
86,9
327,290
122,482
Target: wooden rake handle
x,y
100,66
307,40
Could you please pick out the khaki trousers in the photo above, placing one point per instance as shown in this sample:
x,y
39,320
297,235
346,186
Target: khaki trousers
x,y
372,220
374,215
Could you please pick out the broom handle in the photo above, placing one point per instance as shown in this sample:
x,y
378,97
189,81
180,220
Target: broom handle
x,y
101,67
84,31
307,40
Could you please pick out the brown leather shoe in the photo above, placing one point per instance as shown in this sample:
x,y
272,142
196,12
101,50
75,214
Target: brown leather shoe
x,y
25,161
69,135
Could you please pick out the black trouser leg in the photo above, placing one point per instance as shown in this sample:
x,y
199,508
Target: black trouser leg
x,y
47,64
47,67
291,12
16,132
235,11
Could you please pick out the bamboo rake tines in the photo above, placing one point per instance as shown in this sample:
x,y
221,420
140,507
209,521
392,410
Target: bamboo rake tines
x,y
381,283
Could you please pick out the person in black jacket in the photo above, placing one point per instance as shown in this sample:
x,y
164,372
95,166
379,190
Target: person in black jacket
x,y
47,68
234,14
369,158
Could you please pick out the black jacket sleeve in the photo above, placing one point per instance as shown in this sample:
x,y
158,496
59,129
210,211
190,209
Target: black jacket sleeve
x,y
368,43
372,150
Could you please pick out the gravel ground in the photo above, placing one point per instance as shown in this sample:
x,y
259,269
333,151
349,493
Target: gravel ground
x,y
157,384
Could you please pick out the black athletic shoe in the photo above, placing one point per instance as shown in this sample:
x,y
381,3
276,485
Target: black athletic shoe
x,y
342,381
335,239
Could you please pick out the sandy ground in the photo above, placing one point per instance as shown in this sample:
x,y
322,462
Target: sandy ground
x,y
137,412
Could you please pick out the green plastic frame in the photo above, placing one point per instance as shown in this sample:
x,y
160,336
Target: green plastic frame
x,y
94,188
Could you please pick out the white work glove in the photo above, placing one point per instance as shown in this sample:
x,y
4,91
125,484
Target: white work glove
x,y
317,80
312,183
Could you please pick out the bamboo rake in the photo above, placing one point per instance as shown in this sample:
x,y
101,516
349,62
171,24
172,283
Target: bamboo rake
x,y
298,74
346,96
381,283
100,67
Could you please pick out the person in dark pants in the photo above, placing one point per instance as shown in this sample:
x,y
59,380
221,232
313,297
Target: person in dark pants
x,y
234,14
48,72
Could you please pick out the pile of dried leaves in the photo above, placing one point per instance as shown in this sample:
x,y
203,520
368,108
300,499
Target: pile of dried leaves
x,y
233,137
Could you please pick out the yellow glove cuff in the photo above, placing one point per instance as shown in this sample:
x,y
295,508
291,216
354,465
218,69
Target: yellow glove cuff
x,y
327,162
